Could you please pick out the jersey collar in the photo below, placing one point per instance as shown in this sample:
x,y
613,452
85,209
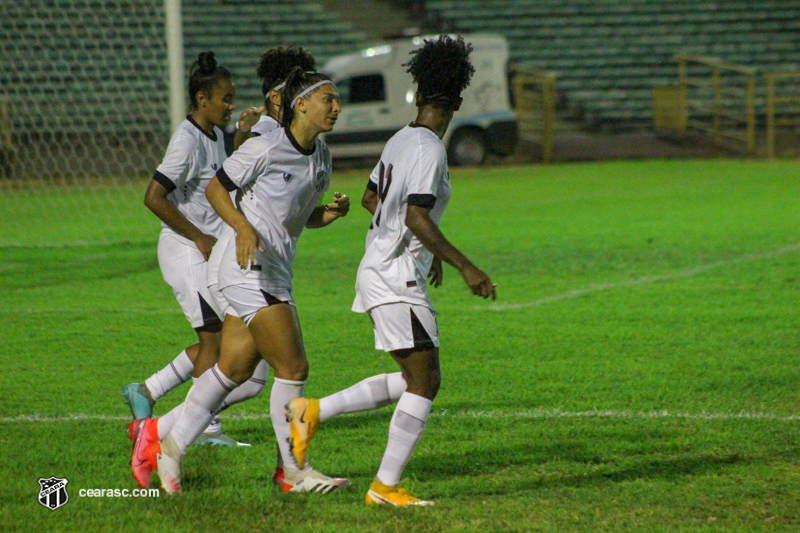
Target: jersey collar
x,y
296,144
212,135
415,124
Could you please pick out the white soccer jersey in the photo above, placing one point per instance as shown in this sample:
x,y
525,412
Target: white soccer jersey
x,y
281,185
412,171
193,158
265,124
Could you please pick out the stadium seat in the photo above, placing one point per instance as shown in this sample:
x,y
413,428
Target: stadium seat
x,y
609,54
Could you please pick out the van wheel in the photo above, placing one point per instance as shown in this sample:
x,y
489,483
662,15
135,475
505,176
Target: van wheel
x,y
467,147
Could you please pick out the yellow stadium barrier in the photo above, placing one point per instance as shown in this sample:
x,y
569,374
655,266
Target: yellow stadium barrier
x,y
535,107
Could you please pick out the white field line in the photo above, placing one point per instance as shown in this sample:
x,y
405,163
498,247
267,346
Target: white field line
x,y
687,273
540,414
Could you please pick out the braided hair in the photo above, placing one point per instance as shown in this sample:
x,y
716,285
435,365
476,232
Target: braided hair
x,y
204,76
442,70
276,64
298,81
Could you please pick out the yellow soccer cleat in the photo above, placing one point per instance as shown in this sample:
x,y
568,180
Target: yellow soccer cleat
x,y
303,417
380,494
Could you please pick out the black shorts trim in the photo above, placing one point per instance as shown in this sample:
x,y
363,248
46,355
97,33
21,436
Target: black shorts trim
x,y
422,200
210,317
226,182
422,341
271,300
164,181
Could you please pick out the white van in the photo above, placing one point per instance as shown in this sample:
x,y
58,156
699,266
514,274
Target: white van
x,y
377,97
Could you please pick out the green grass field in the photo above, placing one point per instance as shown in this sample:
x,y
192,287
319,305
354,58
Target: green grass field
x,y
639,371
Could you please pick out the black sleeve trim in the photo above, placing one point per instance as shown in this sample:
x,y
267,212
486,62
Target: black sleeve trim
x,y
226,182
372,186
164,181
422,200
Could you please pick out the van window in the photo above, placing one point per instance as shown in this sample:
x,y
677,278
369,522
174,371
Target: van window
x,y
360,89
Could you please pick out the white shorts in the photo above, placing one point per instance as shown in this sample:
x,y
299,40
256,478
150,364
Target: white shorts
x,y
247,300
400,326
184,269
212,274
221,302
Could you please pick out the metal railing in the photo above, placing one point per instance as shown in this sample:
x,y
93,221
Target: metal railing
x,y
535,103
778,113
730,111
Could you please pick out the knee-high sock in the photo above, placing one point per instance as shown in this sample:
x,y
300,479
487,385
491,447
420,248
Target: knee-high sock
x,y
205,397
283,390
405,432
169,377
371,393
243,392
166,421
249,388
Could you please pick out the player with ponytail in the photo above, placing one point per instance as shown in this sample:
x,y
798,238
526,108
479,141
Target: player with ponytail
x,y
283,176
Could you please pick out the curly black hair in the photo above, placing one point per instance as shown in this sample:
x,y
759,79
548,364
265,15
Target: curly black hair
x,y
204,76
276,64
441,69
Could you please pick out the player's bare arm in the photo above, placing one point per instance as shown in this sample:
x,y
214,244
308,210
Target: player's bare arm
x,y
436,273
247,120
246,237
370,201
418,220
156,201
325,214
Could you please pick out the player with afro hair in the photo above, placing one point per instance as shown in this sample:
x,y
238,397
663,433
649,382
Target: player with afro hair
x,y
407,194
442,70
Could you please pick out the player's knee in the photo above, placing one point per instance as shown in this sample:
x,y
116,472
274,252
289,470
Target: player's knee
x,y
292,370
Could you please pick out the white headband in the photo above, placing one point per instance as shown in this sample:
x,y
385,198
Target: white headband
x,y
302,94
280,87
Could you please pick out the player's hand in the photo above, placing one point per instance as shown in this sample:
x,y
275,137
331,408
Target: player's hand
x,y
436,274
479,282
249,118
340,205
246,244
205,243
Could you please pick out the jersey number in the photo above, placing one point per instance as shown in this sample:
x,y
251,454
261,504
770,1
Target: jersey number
x,y
384,182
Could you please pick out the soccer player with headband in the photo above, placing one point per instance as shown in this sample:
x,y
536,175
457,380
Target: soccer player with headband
x,y
273,68
407,194
284,175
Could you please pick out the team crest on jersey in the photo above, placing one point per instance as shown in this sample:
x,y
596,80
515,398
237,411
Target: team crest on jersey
x,y
53,493
214,166
319,179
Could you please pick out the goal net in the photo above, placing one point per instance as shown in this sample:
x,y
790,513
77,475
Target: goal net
x,y
84,119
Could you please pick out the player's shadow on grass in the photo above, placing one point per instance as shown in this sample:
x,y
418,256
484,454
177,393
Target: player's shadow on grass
x,y
582,468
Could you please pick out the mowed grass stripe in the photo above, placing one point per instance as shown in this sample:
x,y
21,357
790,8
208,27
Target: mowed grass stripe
x,y
545,414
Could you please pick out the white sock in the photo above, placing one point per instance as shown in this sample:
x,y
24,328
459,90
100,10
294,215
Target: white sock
x,y
371,393
283,390
249,388
166,421
405,432
169,377
203,399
